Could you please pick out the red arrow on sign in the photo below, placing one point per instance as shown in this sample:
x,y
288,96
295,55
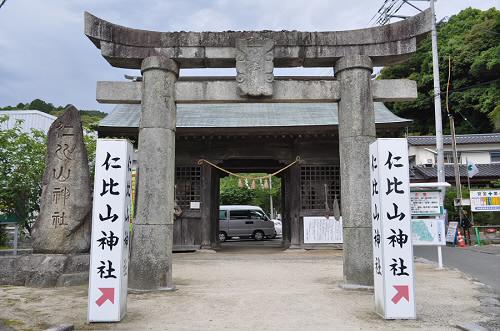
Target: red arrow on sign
x,y
107,294
403,292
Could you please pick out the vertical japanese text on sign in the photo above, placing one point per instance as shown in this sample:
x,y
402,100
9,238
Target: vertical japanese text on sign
x,y
110,231
391,224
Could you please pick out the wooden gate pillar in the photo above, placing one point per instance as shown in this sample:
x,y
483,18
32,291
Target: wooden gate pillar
x,y
285,213
293,192
209,206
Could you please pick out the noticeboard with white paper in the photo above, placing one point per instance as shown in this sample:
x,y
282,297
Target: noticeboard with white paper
x,y
322,230
426,203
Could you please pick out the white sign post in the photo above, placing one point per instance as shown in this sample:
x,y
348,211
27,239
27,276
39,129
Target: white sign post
x,y
427,210
393,269
109,252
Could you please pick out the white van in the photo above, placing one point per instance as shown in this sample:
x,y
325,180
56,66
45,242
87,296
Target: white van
x,y
244,222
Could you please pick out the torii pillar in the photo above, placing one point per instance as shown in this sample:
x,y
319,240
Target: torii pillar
x,y
356,132
152,237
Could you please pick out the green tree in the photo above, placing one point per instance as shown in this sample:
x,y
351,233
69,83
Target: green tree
x,y
90,118
41,105
232,194
22,163
472,40
89,138
262,196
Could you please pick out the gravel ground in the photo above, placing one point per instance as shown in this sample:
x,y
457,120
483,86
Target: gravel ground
x,y
262,289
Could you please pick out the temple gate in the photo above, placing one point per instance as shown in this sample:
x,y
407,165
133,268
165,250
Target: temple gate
x,y
159,55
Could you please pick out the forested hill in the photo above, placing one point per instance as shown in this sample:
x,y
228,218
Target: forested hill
x,y
472,40
90,118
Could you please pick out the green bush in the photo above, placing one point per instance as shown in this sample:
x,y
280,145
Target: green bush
x,y
3,236
232,194
22,162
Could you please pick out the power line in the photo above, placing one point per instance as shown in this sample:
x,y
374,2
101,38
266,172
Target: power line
x,y
475,85
427,98
389,9
488,31
461,89
2,3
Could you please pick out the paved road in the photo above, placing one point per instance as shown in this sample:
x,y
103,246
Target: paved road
x,y
482,264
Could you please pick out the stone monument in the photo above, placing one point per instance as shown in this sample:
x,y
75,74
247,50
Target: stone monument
x,y
61,234
63,226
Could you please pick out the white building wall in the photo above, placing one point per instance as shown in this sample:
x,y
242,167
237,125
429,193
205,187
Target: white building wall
x,y
477,153
422,156
476,157
32,119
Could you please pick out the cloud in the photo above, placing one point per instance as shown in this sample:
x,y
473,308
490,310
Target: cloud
x,y
47,55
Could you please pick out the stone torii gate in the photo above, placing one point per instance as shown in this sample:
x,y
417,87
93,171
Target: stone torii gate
x,y
254,54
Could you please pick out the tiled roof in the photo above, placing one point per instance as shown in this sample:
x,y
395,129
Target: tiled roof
x,y
487,138
485,171
248,115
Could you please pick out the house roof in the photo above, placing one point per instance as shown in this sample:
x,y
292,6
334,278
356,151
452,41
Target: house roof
x,y
248,115
31,119
486,171
27,112
487,138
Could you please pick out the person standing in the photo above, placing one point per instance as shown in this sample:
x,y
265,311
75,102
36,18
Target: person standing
x,y
466,224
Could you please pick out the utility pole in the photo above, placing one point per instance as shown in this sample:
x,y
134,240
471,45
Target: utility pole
x,y
388,10
437,101
456,166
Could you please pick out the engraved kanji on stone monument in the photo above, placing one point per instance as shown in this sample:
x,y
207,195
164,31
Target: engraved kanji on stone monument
x,y
63,225
254,66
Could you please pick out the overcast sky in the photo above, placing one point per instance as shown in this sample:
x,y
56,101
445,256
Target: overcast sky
x,y
44,53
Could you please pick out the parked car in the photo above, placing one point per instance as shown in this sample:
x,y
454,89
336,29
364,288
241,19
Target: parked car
x,y
278,227
244,222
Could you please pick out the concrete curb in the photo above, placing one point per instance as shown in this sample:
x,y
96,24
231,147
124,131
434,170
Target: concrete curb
x,y
161,289
295,250
470,327
206,251
354,287
62,327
